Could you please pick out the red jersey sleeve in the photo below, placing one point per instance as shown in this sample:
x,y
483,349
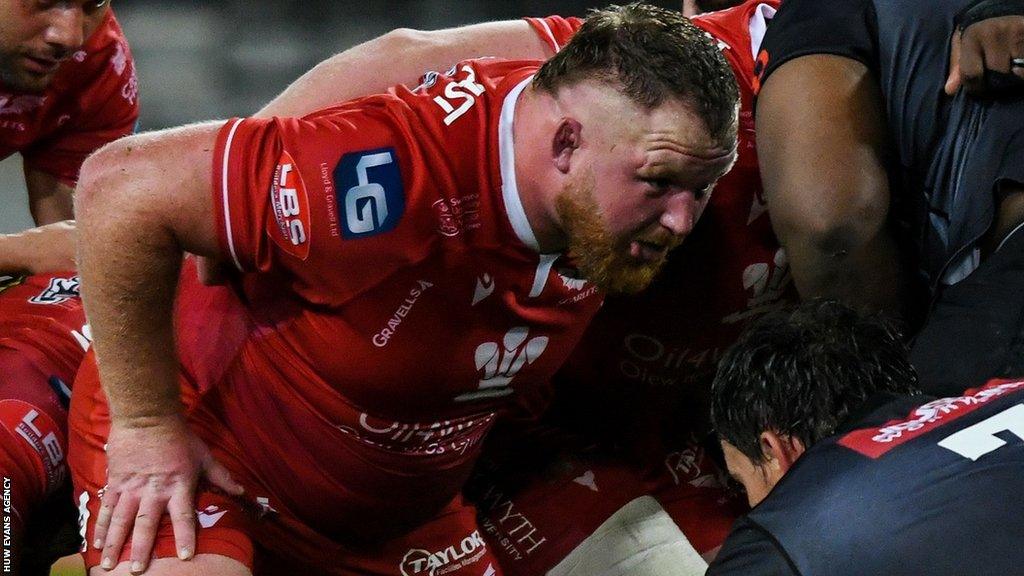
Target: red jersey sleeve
x,y
104,106
321,199
555,31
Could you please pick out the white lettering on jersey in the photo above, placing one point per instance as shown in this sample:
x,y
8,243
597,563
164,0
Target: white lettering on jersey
x,y
979,439
287,202
468,551
501,363
463,92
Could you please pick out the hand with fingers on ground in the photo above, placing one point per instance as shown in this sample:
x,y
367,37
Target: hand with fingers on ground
x,y
153,468
987,55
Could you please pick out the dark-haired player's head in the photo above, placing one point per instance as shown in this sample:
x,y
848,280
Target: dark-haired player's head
x,y
793,378
37,35
656,105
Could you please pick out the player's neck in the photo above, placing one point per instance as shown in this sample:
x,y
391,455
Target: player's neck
x,y
537,179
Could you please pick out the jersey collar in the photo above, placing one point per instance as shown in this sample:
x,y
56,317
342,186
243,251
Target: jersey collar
x,y
507,162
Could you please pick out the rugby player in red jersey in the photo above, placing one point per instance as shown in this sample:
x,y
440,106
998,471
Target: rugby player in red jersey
x,y
395,298
639,378
42,342
67,87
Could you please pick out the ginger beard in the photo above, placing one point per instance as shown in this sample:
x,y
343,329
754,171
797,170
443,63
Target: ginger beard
x,y
601,258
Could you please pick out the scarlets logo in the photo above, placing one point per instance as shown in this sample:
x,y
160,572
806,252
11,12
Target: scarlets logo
x,y
501,362
419,561
291,209
59,290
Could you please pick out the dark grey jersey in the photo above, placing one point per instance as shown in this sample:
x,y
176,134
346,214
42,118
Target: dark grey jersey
x,y
912,488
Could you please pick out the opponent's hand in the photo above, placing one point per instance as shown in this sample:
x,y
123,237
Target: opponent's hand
x,y
153,467
987,46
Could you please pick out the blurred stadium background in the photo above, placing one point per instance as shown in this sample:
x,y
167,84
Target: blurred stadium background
x,y
222,58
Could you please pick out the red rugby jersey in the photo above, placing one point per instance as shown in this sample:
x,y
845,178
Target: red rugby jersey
x,y
42,342
729,271
92,100
395,302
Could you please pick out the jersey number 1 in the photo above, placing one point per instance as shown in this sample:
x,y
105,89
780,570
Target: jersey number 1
x,y
979,439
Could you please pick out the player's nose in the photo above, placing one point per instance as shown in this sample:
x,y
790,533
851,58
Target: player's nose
x,y
680,214
65,30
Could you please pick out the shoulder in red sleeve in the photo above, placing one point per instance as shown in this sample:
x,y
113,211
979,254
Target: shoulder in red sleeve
x,y
555,31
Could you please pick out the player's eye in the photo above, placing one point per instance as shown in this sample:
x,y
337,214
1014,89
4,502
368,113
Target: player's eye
x,y
658,186
702,192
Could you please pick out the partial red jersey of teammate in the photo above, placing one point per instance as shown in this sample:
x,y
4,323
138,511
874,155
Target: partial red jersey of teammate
x,y
393,306
92,100
42,342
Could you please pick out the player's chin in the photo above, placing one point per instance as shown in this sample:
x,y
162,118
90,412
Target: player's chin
x,y
29,82
631,276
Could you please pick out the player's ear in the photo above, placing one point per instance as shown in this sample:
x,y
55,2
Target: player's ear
x,y
565,141
781,450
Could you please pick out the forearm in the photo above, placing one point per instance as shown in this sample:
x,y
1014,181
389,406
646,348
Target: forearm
x,y
866,273
141,202
49,199
129,273
401,57
47,248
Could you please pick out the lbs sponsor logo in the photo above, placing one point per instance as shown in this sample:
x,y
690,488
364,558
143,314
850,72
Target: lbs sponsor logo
x,y
418,561
41,434
291,209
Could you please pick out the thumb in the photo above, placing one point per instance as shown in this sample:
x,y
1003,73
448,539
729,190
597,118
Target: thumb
x,y
217,474
954,79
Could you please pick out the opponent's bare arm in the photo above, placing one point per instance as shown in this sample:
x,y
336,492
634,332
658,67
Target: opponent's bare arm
x,y
821,141
48,248
402,57
141,202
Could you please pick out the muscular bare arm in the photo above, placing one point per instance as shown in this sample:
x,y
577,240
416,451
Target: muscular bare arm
x,y
141,202
821,142
402,57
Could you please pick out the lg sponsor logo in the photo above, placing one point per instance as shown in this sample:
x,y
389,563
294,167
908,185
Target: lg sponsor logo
x,y
501,362
419,561
375,196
